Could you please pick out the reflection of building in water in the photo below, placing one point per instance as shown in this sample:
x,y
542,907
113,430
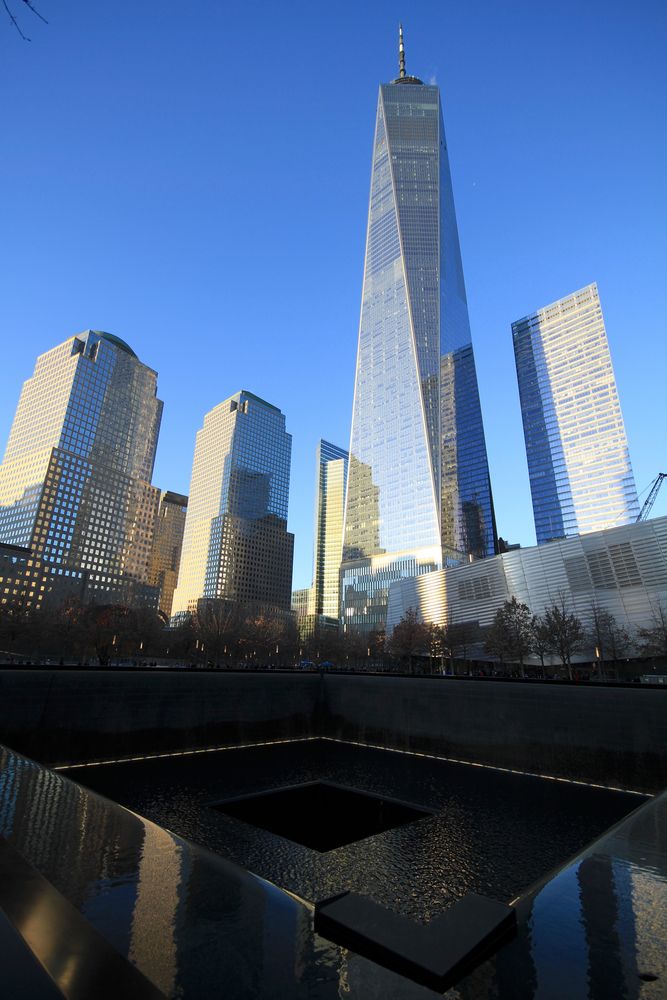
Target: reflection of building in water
x,y
153,933
236,546
608,919
417,450
86,849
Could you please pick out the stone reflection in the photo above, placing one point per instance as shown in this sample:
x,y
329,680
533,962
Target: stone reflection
x,y
152,935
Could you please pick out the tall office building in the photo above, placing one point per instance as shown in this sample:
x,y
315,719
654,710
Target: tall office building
x,y
166,549
580,474
301,602
329,512
75,481
418,487
236,546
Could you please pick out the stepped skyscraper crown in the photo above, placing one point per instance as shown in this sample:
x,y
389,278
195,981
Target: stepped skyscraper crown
x,y
418,487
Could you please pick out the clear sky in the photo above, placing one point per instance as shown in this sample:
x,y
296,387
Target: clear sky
x,y
194,178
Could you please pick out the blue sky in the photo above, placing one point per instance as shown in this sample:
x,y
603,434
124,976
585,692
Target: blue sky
x,y
194,179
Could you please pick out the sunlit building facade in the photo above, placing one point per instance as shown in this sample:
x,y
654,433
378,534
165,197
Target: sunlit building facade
x,y
580,473
236,546
301,602
75,483
330,487
166,549
620,571
418,489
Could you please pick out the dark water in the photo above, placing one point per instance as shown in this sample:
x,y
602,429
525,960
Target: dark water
x,y
490,832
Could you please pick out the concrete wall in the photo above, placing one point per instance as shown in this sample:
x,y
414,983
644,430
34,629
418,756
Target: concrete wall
x,y
64,716
615,736
611,735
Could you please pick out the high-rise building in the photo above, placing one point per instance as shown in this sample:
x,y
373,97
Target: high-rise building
x,y
580,474
75,483
301,602
329,513
236,546
166,550
418,487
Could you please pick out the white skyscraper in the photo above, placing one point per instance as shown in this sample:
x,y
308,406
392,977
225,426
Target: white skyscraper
x,y
578,461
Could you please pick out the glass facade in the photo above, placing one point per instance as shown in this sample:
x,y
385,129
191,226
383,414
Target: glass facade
x,y
578,461
329,512
166,549
75,481
235,544
418,475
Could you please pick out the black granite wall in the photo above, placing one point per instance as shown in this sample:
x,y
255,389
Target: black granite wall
x,y
67,716
611,735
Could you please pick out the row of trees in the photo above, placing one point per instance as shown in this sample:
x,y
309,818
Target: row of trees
x,y
221,633
228,634
516,635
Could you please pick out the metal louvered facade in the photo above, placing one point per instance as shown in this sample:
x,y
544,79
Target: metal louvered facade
x,y
623,570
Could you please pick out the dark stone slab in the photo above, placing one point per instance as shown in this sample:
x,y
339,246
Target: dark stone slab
x,y
74,955
22,975
436,954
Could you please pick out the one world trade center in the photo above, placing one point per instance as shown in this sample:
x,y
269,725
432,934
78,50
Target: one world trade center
x,y
418,495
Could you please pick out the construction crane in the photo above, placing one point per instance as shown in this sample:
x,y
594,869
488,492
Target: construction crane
x,y
650,499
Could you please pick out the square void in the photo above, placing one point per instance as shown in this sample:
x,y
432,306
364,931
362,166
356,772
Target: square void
x,y
321,815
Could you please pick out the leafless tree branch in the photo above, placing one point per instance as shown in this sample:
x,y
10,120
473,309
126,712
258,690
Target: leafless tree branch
x,y
14,21
30,5
35,11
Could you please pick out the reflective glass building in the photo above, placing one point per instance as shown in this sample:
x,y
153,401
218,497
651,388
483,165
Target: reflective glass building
x,y
236,546
418,489
580,474
329,512
75,481
166,549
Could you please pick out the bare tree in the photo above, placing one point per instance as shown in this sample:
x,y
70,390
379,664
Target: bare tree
x,y
564,633
540,639
218,627
13,19
511,632
653,638
495,639
461,636
409,638
611,641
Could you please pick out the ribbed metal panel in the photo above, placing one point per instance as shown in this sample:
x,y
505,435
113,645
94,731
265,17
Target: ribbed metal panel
x,y
623,570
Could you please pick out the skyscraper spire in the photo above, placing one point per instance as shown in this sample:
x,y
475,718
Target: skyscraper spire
x,y
401,52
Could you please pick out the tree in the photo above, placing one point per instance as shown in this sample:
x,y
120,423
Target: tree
x,y
540,639
218,627
409,638
439,644
15,618
461,636
653,638
261,635
611,641
564,633
495,639
511,632
110,630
